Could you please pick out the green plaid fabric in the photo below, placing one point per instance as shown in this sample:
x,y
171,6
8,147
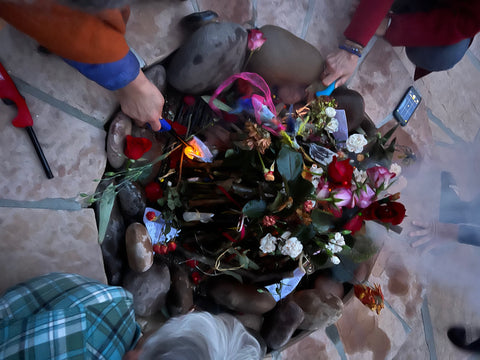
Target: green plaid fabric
x,y
66,316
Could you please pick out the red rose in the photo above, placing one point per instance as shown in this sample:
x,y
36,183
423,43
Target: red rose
x,y
136,147
388,212
255,39
340,173
153,191
354,224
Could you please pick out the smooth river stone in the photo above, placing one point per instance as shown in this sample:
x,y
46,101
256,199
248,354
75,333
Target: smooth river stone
x,y
240,297
133,201
180,296
139,247
158,76
319,312
211,54
149,289
120,127
281,323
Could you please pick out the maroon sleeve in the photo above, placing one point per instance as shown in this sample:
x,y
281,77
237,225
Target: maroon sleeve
x,y
443,26
366,19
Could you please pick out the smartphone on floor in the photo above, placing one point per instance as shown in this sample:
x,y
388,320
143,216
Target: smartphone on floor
x,y
407,106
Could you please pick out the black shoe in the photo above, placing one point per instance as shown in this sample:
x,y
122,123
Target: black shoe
x,y
458,336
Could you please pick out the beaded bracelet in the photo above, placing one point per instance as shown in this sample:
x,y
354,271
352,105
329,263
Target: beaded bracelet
x,y
351,50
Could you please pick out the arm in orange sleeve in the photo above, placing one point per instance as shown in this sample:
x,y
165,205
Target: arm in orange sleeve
x,y
72,34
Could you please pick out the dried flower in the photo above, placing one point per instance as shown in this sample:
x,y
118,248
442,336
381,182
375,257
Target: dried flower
x,y
356,142
372,297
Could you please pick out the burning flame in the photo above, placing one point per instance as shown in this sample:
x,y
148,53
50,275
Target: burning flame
x,y
198,151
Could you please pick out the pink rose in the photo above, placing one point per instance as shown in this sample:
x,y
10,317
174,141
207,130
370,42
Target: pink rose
x,y
343,197
379,176
255,39
323,191
364,198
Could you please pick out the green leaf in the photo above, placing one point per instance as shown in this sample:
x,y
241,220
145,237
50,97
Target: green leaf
x,y
300,190
322,221
106,205
289,163
83,195
217,103
254,208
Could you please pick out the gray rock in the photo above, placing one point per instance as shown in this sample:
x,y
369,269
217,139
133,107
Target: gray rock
x,y
319,311
120,127
281,323
325,285
180,296
158,76
251,321
240,297
113,245
149,289
139,247
133,201
212,54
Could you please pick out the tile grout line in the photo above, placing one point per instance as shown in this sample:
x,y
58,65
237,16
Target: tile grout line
x,y
308,18
58,104
431,116
47,204
428,330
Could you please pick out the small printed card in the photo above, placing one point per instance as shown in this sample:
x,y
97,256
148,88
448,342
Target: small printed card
x,y
156,228
286,286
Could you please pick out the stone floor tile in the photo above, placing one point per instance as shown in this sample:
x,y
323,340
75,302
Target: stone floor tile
x,y
289,15
453,98
53,76
239,11
415,347
74,150
154,30
368,336
475,46
382,80
329,21
317,345
37,241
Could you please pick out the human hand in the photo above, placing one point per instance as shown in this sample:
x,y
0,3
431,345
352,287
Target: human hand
x,y
142,101
339,66
382,28
433,234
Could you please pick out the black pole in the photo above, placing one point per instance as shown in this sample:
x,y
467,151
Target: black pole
x,y
39,151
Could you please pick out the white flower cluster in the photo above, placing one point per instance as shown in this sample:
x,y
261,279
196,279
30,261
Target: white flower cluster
x,y
335,246
356,142
396,169
332,125
316,174
359,175
330,112
291,247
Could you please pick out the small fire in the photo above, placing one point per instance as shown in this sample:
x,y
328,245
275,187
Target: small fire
x,y
198,151
370,296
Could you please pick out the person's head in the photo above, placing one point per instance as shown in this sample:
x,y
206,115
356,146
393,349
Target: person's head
x,y
201,336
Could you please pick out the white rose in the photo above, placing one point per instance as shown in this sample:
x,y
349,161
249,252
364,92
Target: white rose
x,y
268,243
330,112
292,247
356,142
332,126
338,239
335,260
359,175
395,168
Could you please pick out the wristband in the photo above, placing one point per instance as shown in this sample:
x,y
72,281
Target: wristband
x,y
351,50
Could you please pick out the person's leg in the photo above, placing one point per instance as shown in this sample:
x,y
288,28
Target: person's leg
x,y
438,58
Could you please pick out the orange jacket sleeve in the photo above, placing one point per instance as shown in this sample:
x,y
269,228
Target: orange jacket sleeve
x,y
72,34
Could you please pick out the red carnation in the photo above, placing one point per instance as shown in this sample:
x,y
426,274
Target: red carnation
x,y
340,173
388,212
153,191
136,147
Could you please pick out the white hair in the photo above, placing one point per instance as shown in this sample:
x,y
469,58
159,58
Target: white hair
x,y
202,336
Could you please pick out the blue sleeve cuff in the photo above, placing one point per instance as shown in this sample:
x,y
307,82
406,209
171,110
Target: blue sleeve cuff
x,y
469,235
112,76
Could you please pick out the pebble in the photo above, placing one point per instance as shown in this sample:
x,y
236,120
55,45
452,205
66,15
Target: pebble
x,y
139,247
133,201
120,127
180,296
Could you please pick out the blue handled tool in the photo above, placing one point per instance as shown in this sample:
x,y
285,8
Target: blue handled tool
x,y
166,127
327,91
